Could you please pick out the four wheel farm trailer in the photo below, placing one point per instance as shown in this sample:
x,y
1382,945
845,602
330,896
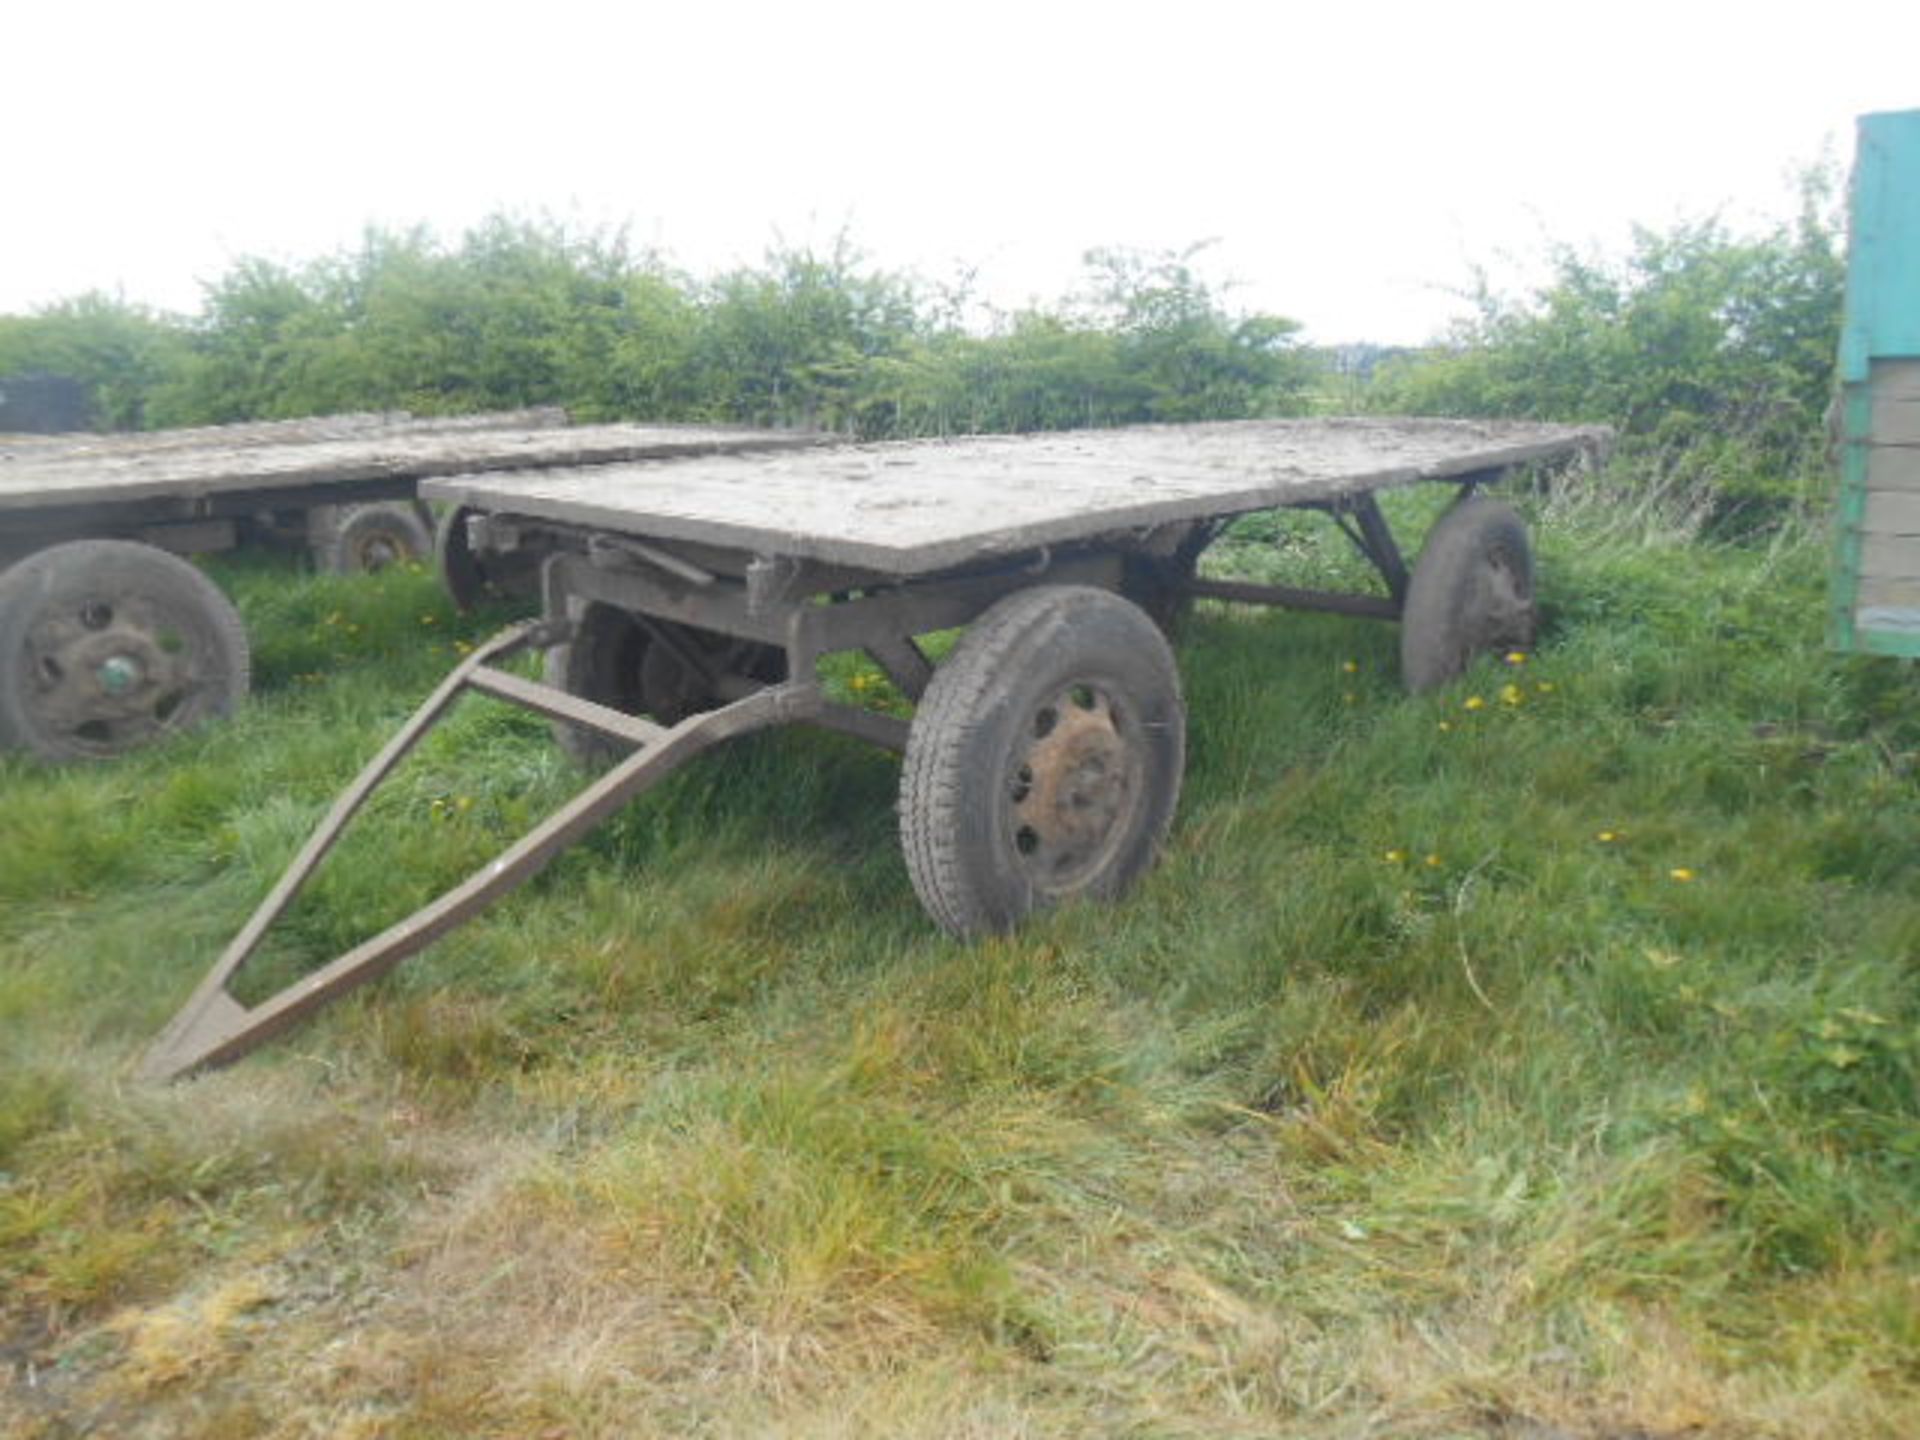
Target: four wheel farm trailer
x,y
688,602
108,640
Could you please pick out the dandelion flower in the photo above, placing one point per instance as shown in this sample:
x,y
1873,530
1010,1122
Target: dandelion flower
x,y
1445,725
1516,657
1394,857
1680,873
1545,687
1512,695
1474,702
428,620
1432,862
1352,667
1607,837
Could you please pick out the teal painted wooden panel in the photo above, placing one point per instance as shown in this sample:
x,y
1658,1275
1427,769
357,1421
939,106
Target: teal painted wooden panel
x,y
1883,265
1875,607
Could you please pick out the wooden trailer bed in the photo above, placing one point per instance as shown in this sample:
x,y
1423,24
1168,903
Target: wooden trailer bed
x,y
262,467
916,507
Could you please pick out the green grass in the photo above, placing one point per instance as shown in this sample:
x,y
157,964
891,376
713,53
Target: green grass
x,y
1547,1065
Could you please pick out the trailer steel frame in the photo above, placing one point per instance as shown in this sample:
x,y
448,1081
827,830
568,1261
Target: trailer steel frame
x,y
800,606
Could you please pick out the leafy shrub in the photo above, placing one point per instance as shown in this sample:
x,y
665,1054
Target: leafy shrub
x,y
1710,352
526,313
121,352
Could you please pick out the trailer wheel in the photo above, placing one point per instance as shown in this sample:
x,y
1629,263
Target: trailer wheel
x,y
613,660
360,539
1045,760
453,557
471,579
1471,591
107,645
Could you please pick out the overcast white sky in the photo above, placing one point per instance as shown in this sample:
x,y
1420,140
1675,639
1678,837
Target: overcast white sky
x,y
1351,160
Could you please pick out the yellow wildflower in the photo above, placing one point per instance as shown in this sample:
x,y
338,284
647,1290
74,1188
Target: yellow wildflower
x,y
1394,857
1607,837
1474,702
1445,725
1680,873
1545,687
1352,667
1512,695
1433,862
1516,657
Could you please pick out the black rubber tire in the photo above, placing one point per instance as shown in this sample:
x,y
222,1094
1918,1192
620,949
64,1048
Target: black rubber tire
x,y
361,539
471,579
613,661
108,645
458,566
1156,582
1471,591
1045,760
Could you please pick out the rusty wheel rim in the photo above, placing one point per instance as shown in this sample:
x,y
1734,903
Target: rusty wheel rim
x,y
111,672
1074,788
377,550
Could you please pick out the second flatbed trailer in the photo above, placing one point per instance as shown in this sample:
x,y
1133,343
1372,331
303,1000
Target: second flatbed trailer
x,y
109,640
688,602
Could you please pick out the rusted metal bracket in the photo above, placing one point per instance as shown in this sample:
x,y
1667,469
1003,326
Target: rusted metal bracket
x,y
214,1028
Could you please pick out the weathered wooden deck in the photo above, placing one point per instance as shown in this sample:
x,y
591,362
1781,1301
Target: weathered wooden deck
x,y
76,444
913,507
113,470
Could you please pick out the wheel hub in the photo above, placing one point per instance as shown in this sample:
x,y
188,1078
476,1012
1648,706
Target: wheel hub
x,y
106,673
1073,789
376,552
119,673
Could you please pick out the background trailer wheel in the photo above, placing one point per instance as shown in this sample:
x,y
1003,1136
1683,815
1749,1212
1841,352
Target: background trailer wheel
x,y
474,579
361,539
1471,591
1045,760
654,668
107,645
